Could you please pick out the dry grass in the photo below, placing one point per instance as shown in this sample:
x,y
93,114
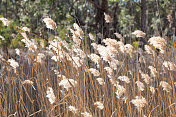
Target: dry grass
x,y
124,90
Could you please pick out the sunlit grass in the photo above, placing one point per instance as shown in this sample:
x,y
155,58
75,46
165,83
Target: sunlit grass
x,y
68,80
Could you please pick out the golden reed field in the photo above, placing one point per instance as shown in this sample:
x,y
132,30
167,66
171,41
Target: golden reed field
x,y
69,78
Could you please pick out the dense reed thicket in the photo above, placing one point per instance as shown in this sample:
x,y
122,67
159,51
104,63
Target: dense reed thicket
x,y
66,79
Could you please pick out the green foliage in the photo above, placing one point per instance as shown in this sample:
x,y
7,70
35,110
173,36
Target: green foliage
x,y
136,44
114,1
66,12
12,37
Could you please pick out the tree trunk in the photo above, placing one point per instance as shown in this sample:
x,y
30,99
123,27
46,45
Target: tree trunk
x,y
0,5
116,11
173,18
143,22
101,7
143,15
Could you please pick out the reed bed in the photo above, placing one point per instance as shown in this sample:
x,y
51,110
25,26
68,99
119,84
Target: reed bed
x,y
67,79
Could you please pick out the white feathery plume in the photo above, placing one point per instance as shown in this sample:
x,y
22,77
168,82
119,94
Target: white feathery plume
x,y
139,33
139,102
169,65
28,43
29,82
86,114
5,21
153,71
67,83
50,23
124,78
148,49
50,95
26,29
2,37
17,51
100,81
79,52
129,49
109,70
152,89
159,43
95,58
94,72
166,86
146,78
79,31
108,19
14,64
72,109
120,91
40,57
99,105
91,37
140,85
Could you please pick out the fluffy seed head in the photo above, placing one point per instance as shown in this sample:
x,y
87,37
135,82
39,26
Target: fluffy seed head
x,y
139,33
105,53
31,45
55,45
95,46
139,102
153,71
140,85
94,72
148,49
75,37
169,18
86,114
40,57
13,63
57,58
152,89
91,37
78,31
26,29
2,37
72,109
124,78
169,65
50,23
27,82
95,58
79,52
111,42
118,35
100,81
17,51
99,105
120,91
77,62
113,81
5,21
159,43
50,95
165,86
109,70
146,78
67,83
108,19
129,48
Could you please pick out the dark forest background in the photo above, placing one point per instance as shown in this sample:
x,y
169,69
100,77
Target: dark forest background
x,y
154,17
